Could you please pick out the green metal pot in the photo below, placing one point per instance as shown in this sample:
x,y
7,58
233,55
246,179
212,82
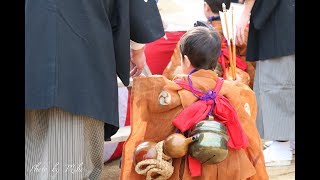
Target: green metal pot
x,y
210,146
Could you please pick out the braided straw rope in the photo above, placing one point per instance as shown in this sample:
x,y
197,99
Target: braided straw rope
x,y
161,166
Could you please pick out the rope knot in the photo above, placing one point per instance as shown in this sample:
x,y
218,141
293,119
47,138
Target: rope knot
x,y
159,169
209,97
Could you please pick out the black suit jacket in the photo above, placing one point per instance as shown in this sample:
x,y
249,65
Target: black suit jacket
x,y
271,30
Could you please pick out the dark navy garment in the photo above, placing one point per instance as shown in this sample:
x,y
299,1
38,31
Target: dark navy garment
x,y
74,50
271,30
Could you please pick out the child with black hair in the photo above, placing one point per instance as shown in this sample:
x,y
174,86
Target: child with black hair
x,y
199,49
234,105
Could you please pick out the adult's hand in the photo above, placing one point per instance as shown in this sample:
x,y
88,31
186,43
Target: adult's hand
x,y
243,22
137,61
241,26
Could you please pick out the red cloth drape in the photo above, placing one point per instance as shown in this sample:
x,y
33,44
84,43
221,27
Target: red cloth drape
x,y
223,112
224,58
159,52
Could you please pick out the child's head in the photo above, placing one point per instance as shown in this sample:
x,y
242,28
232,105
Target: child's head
x,y
200,49
214,6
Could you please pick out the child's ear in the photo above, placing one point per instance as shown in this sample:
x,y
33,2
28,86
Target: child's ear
x,y
206,8
186,61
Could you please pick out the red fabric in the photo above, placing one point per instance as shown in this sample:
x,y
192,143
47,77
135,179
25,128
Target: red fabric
x,y
158,53
194,166
224,59
117,152
192,115
223,112
240,63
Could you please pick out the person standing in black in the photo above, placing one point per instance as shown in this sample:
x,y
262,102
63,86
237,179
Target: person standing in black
x,y
74,51
271,42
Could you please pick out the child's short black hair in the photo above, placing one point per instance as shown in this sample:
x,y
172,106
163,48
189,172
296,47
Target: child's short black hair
x,y
216,5
202,45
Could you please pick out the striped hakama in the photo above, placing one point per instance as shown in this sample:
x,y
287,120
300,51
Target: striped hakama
x,y
60,145
274,87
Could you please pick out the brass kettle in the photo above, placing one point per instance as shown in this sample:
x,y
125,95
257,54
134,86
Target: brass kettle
x,y
211,144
